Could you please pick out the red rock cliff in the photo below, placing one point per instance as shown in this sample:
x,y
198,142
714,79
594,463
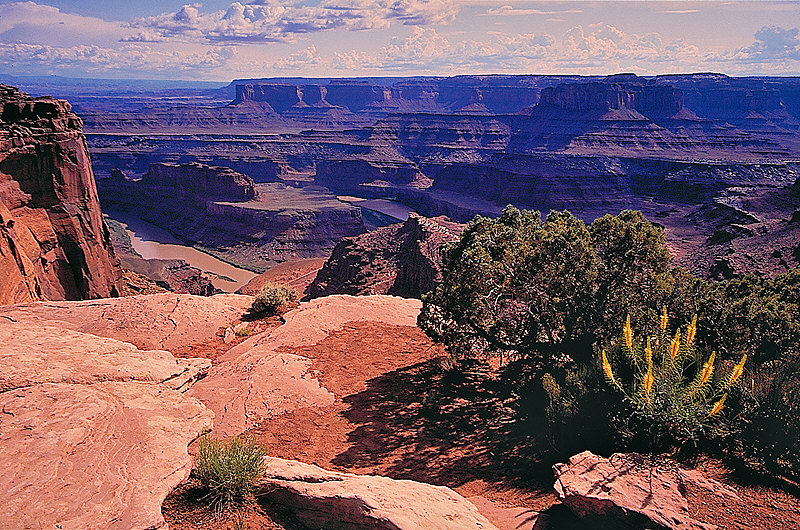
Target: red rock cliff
x,y
54,244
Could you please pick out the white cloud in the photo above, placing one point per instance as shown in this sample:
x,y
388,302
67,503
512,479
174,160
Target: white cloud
x,y
130,58
31,23
510,11
271,37
598,48
272,21
772,43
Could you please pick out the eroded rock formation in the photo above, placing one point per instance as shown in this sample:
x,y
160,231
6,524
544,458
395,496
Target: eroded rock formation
x,y
53,242
402,259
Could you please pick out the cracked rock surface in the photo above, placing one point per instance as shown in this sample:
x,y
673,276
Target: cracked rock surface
x,y
94,429
157,321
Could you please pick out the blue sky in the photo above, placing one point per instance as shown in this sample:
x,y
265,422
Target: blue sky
x,y
221,40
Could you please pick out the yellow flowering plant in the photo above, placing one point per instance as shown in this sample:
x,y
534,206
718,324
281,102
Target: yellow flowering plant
x,y
674,394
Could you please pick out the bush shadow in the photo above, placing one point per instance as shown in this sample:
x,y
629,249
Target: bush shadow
x,y
445,427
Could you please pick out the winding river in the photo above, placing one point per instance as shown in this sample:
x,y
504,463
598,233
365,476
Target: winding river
x,y
152,242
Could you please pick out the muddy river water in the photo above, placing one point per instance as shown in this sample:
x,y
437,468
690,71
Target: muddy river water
x,y
152,242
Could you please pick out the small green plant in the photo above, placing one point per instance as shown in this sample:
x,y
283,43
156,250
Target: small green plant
x,y
274,299
228,469
675,396
243,332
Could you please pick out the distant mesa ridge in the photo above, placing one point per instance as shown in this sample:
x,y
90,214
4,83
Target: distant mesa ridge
x,y
708,95
647,99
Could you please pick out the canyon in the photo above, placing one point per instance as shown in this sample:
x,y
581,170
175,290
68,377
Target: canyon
x,y
694,152
228,215
102,400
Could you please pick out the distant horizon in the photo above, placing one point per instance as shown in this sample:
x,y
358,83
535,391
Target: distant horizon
x,y
224,39
223,83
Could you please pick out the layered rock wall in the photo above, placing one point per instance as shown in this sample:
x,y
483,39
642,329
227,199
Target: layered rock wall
x,y
647,99
198,183
54,244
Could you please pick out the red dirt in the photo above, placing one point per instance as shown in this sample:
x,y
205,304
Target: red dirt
x,y
381,375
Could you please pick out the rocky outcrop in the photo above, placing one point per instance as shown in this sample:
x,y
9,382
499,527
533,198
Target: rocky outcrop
x,y
403,259
174,275
259,379
53,242
297,274
94,430
326,499
198,183
628,491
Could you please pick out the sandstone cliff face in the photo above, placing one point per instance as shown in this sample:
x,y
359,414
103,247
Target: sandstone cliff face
x,y
403,259
198,183
53,242
646,99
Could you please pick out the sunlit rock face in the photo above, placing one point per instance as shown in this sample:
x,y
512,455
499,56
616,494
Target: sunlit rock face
x,y
53,242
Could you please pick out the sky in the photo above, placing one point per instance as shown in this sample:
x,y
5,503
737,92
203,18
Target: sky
x,y
221,40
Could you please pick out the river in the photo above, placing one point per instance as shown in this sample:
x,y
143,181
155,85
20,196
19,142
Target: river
x,y
152,242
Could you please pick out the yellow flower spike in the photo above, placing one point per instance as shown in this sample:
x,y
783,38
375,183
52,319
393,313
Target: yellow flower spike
x,y
648,354
628,333
690,333
607,370
737,371
717,408
675,345
708,369
648,381
664,319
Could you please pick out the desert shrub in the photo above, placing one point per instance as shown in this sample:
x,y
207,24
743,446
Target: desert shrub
x,y
771,428
274,299
228,469
676,396
521,287
579,405
760,317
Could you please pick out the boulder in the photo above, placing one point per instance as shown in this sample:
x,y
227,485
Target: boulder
x,y
627,491
326,499
260,378
93,431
